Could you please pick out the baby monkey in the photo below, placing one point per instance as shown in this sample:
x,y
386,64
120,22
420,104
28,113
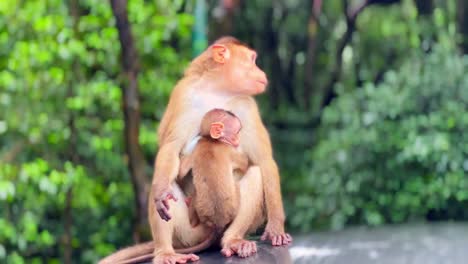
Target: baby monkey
x,y
215,200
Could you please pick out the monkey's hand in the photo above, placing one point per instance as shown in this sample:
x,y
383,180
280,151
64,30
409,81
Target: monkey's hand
x,y
162,204
275,233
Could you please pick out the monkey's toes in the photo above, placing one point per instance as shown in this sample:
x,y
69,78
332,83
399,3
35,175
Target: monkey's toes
x,y
283,239
243,248
227,252
174,258
247,249
277,239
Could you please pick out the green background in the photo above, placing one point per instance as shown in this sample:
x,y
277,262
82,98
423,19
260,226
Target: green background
x,y
367,115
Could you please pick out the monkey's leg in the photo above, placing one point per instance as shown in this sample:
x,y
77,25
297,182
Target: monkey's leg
x,y
193,216
250,208
176,232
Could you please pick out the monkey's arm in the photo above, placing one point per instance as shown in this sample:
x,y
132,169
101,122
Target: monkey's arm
x,y
166,167
271,178
255,141
185,166
173,134
165,172
240,161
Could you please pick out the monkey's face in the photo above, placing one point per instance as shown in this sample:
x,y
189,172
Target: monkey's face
x,y
245,76
232,128
221,125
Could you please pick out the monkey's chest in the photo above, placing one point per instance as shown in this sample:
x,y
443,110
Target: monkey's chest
x,y
200,103
203,102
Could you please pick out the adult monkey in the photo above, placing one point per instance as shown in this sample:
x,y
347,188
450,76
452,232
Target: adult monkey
x,y
224,76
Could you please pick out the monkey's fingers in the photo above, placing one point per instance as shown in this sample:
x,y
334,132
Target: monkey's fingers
x,y
166,203
227,252
247,250
171,196
283,239
277,240
193,257
164,213
180,258
243,248
172,258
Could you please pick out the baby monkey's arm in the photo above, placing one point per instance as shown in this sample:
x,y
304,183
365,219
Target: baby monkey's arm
x,y
239,161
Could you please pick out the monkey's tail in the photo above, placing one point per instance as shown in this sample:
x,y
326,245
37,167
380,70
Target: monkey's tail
x,y
144,251
129,253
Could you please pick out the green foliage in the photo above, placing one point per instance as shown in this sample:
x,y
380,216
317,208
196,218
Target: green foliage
x,y
61,123
387,150
395,151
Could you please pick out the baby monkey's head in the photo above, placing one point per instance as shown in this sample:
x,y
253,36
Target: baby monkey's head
x,y
221,125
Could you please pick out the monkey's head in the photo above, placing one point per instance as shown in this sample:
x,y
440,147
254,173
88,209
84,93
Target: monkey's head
x,y
231,66
221,125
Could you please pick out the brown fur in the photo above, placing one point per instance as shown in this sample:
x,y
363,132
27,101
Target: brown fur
x,y
207,85
144,252
216,198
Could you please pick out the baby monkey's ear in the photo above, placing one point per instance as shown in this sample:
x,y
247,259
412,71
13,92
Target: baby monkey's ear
x,y
216,130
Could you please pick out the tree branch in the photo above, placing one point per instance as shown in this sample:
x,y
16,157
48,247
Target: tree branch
x,y
351,18
330,92
71,152
131,109
313,27
13,152
425,7
462,24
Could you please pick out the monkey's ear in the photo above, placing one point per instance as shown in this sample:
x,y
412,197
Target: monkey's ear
x,y
220,53
216,130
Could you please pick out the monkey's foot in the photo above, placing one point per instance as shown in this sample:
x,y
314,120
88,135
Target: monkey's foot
x,y
243,248
277,239
174,258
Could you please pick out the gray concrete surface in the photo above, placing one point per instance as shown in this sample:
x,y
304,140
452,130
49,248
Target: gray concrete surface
x,y
400,244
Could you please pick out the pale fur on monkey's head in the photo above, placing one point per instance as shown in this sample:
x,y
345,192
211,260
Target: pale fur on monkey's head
x,y
204,62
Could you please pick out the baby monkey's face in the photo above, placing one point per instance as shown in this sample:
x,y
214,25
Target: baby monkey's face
x,y
232,127
221,125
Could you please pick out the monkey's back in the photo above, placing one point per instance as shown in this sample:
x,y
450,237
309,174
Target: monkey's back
x,y
216,198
